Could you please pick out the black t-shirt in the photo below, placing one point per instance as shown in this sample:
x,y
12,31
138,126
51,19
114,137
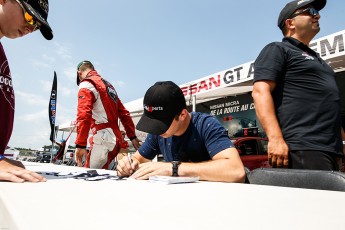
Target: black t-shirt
x,y
306,96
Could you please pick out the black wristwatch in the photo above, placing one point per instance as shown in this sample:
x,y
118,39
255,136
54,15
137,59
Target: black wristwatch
x,y
175,165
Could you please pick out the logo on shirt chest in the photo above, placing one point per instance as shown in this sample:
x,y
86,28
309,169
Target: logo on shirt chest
x,y
6,87
110,90
307,56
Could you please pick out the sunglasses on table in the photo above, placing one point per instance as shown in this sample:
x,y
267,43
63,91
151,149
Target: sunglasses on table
x,y
311,11
29,18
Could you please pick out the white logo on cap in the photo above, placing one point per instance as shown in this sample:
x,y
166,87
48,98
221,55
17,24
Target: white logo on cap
x,y
300,2
152,108
44,5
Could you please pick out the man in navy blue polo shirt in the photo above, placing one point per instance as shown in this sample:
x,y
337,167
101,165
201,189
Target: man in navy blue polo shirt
x,y
192,144
295,94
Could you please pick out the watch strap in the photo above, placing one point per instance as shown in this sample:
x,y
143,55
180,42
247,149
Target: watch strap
x,y
175,165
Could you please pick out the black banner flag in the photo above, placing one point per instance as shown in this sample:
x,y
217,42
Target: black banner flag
x,y
52,108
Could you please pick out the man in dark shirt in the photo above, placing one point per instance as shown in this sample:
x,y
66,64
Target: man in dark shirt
x,y
17,18
295,94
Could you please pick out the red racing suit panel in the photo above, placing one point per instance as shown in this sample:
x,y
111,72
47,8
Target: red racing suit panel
x,y
86,98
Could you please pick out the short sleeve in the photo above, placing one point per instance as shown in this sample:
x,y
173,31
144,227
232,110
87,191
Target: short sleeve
x,y
214,135
150,148
270,64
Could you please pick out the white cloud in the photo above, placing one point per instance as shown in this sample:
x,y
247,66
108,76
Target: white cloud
x,y
120,83
40,64
31,99
70,73
63,51
44,61
46,85
35,117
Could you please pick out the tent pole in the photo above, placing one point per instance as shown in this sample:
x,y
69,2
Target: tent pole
x,y
194,103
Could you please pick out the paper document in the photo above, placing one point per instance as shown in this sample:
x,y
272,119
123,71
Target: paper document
x,y
172,179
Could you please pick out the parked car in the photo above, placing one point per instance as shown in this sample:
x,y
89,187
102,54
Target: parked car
x,y
253,151
45,158
38,157
69,155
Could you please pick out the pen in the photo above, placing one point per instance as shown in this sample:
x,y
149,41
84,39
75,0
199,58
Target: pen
x,y
130,162
129,158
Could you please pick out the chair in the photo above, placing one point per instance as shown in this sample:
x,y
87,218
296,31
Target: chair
x,y
58,162
247,171
298,178
70,162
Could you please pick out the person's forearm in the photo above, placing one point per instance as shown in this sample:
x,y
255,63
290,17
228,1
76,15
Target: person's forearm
x,y
139,158
215,170
264,107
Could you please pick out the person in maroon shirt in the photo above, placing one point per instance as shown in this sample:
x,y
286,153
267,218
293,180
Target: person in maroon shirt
x,y
17,19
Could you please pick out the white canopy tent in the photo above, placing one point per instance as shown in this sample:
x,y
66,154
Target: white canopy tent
x,y
67,127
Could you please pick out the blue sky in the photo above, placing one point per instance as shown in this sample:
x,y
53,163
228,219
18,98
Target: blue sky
x,y
135,43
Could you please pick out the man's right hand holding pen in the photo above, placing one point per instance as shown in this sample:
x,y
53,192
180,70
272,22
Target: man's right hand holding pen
x,y
138,167
127,166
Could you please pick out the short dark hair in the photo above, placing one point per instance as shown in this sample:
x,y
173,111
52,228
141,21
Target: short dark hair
x,y
85,65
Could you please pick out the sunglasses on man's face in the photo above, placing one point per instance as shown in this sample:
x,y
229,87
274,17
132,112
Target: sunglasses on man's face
x,y
29,18
311,11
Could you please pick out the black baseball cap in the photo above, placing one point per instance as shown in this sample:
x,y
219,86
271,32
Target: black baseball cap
x,y
291,7
162,102
39,10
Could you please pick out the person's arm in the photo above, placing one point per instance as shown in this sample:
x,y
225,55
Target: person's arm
x,y
225,166
86,98
264,107
14,171
341,161
84,116
58,143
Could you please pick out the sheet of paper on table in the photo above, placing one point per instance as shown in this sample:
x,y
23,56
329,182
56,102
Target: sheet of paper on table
x,y
172,179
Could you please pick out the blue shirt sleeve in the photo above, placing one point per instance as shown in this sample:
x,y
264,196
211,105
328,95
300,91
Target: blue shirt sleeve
x,y
213,134
150,148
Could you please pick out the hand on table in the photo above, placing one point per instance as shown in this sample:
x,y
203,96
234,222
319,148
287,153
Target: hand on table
x,y
148,169
14,171
125,167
